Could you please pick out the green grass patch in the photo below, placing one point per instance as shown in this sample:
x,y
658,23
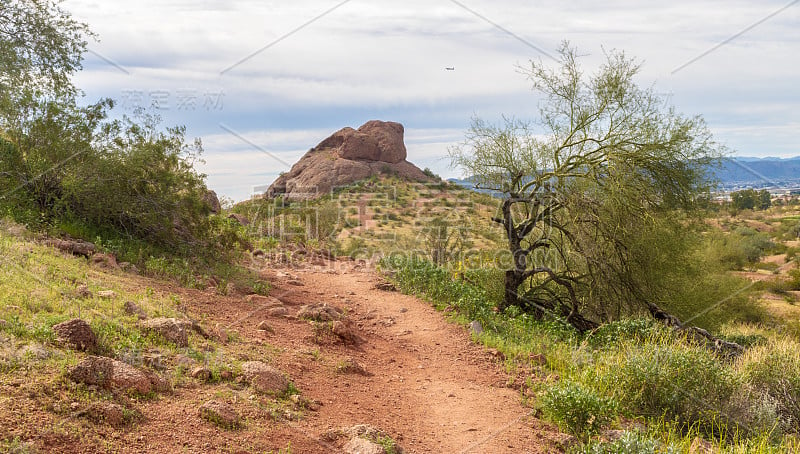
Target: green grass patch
x,y
632,369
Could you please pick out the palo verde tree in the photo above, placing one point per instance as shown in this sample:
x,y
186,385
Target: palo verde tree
x,y
41,48
64,163
604,165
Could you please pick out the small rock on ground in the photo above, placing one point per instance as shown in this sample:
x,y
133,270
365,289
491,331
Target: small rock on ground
x,y
351,366
221,414
264,326
346,332
104,260
264,378
77,334
116,375
83,291
320,312
304,403
278,312
362,446
385,286
201,373
105,412
132,308
172,329
261,300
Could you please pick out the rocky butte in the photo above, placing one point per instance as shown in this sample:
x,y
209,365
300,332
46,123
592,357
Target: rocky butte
x,y
347,156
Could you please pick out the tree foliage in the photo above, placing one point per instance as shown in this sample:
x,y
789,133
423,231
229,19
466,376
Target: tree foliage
x,y
41,47
750,199
61,161
607,165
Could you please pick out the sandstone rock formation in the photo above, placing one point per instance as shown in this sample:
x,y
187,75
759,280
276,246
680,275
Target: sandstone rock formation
x,y
347,156
212,201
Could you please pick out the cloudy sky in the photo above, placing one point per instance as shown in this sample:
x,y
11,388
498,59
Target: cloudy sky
x,y
261,82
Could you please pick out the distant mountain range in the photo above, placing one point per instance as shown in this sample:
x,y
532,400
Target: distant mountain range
x,y
742,172
759,172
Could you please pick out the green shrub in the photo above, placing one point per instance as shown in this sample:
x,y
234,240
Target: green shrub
x,y
743,246
679,382
774,369
777,285
577,409
637,329
628,443
747,340
794,279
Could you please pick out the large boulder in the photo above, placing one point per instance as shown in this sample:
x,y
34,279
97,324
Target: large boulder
x,y
320,312
347,156
212,201
374,141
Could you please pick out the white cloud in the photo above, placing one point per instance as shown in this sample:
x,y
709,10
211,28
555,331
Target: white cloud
x,y
377,59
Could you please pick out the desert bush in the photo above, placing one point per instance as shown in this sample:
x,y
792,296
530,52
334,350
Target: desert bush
x,y
577,409
126,181
774,369
353,247
746,340
444,241
776,285
628,443
794,279
430,174
679,382
739,248
626,330
712,298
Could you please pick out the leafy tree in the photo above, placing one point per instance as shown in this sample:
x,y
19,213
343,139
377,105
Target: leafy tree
x,y
141,181
764,199
61,162
41,47
608,164
55,141
750,199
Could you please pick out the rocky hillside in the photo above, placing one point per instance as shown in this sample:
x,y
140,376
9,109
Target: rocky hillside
x,y
347,156
95,357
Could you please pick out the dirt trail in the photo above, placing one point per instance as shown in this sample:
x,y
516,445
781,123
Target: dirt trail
x,y
431,387
428,386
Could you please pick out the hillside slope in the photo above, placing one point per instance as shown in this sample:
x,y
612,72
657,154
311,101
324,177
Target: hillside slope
x,y
391,361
